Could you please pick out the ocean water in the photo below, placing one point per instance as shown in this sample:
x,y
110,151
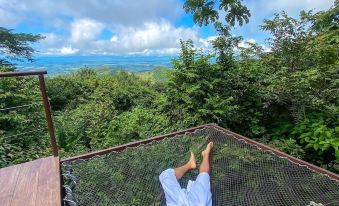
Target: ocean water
x,y
66,64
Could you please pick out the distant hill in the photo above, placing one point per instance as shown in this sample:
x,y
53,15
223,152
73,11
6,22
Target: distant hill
x,y
158,74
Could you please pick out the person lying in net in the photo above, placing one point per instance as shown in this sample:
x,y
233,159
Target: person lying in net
x,y
198,192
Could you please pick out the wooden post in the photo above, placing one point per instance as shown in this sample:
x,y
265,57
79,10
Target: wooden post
x,y
49,120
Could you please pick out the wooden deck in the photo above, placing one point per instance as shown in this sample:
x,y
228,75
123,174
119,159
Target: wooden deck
x,y
32,183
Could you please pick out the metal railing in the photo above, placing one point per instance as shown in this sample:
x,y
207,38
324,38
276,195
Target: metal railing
x,y
47,106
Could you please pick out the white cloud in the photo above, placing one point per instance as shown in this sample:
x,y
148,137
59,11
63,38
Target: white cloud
x,y
77,26
68,50
161,52
129,26
109,12
246,43
151,38
85,30
293,7
206,42
7,19
155,36
114,39
265,9
51,40
64,50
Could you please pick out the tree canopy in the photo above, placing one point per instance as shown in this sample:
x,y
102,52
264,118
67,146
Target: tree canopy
x,y
16,46
208,11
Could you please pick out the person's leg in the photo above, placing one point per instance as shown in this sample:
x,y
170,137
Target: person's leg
x,y
171,187
200,192
205,164
191,164
169,181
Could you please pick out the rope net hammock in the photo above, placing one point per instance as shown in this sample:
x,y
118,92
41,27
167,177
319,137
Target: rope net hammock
x,y
241,174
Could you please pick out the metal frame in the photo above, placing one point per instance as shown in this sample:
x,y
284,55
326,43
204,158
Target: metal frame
x,y
279,153
133,144
215,126
20,74
47,106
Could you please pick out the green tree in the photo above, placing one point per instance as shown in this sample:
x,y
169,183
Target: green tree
x,y
301,89
207,11
101,109
17,142
224,88
16,46
196,90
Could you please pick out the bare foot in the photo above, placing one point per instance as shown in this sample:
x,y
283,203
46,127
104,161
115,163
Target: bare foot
x,y
208,149
192,161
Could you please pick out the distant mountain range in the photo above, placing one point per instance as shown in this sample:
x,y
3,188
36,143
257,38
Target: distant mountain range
x,y
66,64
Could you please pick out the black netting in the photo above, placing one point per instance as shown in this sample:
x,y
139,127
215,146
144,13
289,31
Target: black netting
x,y
241,175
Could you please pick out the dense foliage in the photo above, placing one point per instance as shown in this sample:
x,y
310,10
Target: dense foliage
x,y
286,97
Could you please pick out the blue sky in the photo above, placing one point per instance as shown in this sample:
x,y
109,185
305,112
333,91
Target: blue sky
x,y
129,27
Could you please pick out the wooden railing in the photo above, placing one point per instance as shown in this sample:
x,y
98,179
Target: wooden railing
x,y
47,106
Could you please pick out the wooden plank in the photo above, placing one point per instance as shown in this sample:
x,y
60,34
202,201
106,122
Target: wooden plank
x,y
33,183
49,183
26,188
8,180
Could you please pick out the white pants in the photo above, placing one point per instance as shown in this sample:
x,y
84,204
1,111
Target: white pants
x,y
198,192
